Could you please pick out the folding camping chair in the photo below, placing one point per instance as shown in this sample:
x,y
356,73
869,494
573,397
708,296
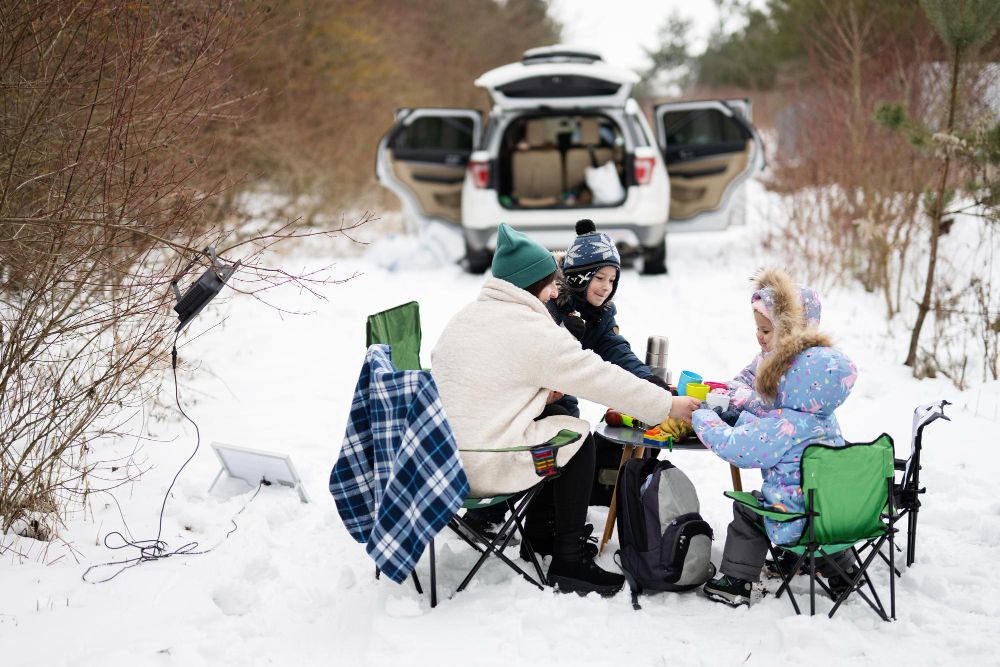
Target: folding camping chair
x,y
847,488
399,327
906,490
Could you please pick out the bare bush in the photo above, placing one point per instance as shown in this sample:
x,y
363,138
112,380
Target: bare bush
x,y
854,188
108,176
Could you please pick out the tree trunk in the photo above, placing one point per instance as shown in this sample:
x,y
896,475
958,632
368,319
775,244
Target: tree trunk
x,y
925,303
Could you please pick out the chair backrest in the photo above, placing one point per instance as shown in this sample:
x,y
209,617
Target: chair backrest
x,y
850,488
399,328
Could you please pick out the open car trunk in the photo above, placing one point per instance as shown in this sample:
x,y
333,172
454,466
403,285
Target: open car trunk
x,y
562,161
557,79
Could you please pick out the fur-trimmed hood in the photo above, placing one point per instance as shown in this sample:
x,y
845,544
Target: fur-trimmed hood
x,y
785,303
564,302
806,373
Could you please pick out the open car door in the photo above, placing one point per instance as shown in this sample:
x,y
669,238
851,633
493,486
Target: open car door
x,y
709,148
423,158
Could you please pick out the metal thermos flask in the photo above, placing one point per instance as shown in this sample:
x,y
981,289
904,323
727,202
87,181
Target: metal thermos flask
x,y
656,357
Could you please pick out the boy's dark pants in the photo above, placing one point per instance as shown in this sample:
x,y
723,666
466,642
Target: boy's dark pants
x,y
746,548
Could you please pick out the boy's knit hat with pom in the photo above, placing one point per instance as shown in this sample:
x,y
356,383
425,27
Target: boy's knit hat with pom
x,y
589,253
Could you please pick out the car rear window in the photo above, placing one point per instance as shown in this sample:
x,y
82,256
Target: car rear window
x,y
454,133
559,85
701,126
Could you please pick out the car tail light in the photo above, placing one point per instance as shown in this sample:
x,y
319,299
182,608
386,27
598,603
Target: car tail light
x,y
480,174
644,169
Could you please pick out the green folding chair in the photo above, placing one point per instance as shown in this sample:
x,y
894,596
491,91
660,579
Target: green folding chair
x,y
848,500
399,328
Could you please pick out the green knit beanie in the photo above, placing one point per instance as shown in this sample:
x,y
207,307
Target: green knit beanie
x,y
519,260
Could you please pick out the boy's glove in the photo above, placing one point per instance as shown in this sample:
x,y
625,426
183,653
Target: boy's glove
x,y
576,326
677,428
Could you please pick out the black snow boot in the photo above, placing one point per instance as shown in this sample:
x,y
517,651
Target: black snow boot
x,y
573,571
543,541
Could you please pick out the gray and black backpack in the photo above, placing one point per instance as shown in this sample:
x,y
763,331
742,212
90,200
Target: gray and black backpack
x,y
665,544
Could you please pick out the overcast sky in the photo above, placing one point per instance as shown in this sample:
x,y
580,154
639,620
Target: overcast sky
x,y
621,29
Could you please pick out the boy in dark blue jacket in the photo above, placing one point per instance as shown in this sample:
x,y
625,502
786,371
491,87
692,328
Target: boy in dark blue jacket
x,y
588,280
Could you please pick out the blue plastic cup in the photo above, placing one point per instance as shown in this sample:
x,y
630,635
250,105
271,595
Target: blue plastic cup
x,y
682,381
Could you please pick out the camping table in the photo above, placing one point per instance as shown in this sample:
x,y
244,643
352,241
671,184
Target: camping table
x,y
634,447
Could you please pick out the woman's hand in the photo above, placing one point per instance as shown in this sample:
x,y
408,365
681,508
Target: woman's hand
x,y
553,396
683,406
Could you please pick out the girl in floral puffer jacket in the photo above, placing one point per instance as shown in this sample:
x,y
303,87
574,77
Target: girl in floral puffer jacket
x,y
803,380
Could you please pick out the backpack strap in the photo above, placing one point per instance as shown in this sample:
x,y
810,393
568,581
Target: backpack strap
x,y
633,587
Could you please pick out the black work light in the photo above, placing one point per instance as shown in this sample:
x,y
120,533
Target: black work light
x,y
202,290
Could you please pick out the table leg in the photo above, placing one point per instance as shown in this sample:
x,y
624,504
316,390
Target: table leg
x,y
737,481
609,525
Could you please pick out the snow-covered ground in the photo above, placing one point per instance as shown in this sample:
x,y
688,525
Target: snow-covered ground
x,y
290,587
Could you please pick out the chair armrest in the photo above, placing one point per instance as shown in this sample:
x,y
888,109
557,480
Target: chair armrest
x,y
543,456
561,439
900,464
749,501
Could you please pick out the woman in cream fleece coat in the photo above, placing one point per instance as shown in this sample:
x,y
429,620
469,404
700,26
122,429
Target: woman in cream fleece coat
x,y
495,365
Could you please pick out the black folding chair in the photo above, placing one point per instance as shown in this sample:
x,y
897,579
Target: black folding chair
x,y
907,489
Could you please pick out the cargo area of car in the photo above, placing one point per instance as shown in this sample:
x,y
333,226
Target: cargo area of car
x,y
543,162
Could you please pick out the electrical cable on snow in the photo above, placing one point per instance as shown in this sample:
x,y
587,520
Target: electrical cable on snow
x,y
153,550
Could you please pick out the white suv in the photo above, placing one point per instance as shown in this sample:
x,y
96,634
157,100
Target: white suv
x,y
555,113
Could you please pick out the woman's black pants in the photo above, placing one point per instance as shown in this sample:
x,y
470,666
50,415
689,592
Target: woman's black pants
x,y
562,503
567,496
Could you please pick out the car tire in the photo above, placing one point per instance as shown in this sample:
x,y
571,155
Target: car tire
x,y
477,260
654,259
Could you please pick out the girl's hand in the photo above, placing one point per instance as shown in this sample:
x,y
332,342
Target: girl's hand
x,y
553,396
682,407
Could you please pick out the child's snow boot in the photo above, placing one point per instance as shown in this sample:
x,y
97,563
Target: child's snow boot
x,y
729,590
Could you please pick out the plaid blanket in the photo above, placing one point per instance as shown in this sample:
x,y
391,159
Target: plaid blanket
x,y
398,479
